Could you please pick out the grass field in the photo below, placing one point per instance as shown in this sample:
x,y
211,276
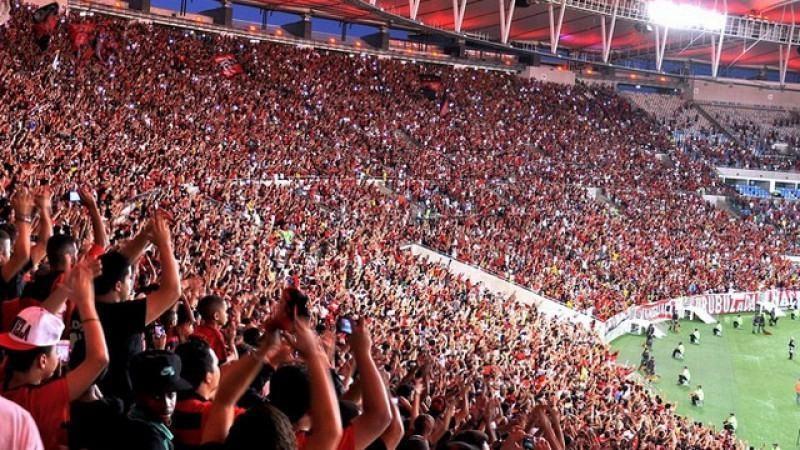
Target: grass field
x,y
748,374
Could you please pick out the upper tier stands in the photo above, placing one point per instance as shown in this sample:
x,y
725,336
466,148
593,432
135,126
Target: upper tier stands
x,y
498,178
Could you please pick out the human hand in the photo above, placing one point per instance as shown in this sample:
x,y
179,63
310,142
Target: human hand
x,y
161,235
305,341
360,340
44,199
81,280
22,202
87,198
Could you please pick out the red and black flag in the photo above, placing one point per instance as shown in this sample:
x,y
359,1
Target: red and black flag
x,y
430,85
45,20
445,108
228,66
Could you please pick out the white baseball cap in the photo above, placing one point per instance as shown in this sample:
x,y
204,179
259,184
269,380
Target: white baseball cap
x,y
33,327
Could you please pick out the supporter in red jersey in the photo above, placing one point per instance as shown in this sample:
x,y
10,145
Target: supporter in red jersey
x,y
32,361
200,367
213,316
269,424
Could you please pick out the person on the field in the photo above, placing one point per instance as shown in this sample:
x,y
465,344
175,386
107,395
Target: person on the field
x,y
679,351
758,323
650,367
773,318
775,446
792,347
795,313
645,358
730,423
649,341
684,377
673,324
694,338
718,329
697,396
737,322
797,391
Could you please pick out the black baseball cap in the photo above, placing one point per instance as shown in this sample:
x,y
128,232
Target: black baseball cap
x,y
157,372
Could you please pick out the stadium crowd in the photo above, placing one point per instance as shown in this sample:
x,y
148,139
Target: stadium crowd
x,y
192,214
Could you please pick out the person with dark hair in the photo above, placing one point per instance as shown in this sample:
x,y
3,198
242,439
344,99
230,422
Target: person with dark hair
x,y
32,360
289,391
155,378
697,396
264,424
13,261
314,392
694,337
61,251
184,325
125,320
213,316
679,351
201,370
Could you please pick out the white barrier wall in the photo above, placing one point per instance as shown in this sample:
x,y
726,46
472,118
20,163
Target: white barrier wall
x,y
713,304
495,284
550,74
744,93
620,324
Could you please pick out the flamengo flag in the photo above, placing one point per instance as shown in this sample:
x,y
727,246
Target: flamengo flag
x,y
228,66
45,20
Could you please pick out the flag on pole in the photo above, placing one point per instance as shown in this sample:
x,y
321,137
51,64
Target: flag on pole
x,y
445,107
45,20
228,65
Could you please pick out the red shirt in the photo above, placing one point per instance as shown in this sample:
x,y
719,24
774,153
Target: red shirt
x,y
49,405
214,337
190,419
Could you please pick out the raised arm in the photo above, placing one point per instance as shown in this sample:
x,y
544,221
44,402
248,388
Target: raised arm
x,y
98,228
23,209
43,202
170,284
394,433
232,385
326,423
79,380
377,410
134,248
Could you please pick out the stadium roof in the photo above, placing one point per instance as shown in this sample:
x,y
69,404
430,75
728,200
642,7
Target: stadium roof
x,y
756,33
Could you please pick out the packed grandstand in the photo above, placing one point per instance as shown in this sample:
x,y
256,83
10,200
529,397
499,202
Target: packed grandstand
x,y
232,207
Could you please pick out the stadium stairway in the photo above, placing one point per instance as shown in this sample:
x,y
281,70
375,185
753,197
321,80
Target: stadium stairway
x,y
719,125
701,314
598,195
665,160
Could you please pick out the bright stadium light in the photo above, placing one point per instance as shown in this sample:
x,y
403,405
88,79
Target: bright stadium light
x,y
683,17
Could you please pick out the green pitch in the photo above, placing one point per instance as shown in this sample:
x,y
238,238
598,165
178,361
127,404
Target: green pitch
x,y
740,372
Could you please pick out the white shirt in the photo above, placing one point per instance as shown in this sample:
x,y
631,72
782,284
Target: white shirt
x,y
700,395
19,429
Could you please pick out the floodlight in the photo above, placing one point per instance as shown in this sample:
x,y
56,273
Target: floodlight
x,y
685,16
